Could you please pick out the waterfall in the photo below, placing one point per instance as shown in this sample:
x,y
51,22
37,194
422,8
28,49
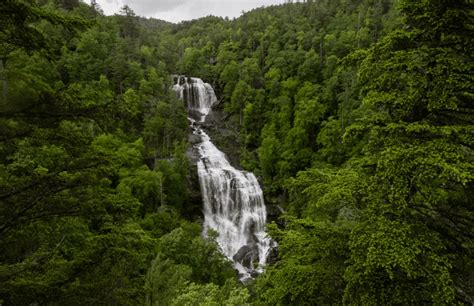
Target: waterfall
x,y
199,96
233,199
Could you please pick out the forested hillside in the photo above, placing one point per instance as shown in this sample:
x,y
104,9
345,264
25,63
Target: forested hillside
x,y
355,115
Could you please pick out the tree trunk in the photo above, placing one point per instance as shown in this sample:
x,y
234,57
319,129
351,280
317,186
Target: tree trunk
x,y
4,82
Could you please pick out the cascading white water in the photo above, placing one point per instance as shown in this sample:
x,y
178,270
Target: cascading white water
x,y
199,96
233,199
234,207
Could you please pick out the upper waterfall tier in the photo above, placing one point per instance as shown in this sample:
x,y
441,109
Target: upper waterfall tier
x,y
199,96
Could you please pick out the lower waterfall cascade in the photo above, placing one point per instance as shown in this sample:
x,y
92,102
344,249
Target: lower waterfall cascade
x,y
233,200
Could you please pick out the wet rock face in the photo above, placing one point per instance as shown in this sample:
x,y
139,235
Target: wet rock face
x,y
195,114
193,153
272,257
247,255
274,212
194,139
224,134
193,206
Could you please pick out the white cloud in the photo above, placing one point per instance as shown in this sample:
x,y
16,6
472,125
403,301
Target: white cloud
x,y
178,10
151,7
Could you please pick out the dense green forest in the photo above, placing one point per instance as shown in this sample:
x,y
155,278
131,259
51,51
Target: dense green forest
x,y
356,115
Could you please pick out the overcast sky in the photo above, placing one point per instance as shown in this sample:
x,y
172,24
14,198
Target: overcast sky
x,y
178,10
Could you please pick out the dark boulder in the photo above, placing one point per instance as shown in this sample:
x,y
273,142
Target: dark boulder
x,y
247,255
272,256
